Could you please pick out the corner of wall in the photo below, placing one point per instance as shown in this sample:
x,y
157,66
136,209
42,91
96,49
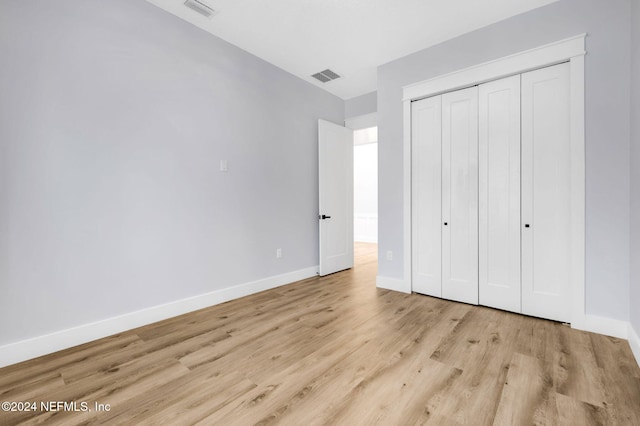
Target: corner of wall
x,y
634,246
361,105
393,284
634,343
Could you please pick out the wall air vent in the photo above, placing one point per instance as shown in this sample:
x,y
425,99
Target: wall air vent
x,y
326,76
200,7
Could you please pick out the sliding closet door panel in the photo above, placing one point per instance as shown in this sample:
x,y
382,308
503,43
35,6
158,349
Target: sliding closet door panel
x,y
460,195
426,140
499,194
546,209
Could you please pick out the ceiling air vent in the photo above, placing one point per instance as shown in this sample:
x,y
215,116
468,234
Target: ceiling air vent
x,y
326,76
200,7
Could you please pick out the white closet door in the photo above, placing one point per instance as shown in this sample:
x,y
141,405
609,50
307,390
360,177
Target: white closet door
x,y
499,195
460,195
546,209
426,140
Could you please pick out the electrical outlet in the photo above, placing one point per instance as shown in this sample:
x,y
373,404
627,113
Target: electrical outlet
x,y
389,255
224,166
278,253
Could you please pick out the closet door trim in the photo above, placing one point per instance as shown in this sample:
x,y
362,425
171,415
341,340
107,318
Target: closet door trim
x,y
518,63
570,50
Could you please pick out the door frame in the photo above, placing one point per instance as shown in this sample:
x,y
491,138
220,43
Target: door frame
x,y
570,50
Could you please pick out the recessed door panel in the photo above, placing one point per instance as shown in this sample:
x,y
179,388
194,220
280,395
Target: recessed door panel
x,y
460,195
499,194
426,140
546,193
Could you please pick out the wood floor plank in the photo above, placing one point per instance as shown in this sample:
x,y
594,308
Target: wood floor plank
x,y
401,380
186,400
337,350
141,354
620,379
484,358
538,338
267,398
266,401
528,396
465,343
577,373
244,343
108,388
22,373
31,389
573,412
363,370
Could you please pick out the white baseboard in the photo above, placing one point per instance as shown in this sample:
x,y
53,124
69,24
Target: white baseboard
x,y
634,342
606,326
392,284
63,339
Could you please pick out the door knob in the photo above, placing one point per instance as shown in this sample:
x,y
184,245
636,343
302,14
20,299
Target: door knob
x,y
445,224
325,217
526,225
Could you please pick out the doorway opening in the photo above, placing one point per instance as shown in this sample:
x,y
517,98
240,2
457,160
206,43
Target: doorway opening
x,y
365,195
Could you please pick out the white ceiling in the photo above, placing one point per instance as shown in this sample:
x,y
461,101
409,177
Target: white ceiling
x,y
351,37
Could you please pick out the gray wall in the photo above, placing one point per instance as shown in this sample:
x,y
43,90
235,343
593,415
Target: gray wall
x,y
114,116
361,105
634,300
607,130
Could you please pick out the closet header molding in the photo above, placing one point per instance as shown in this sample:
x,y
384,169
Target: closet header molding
x,y
542,56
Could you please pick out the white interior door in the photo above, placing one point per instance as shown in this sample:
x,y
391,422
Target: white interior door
x,y
335,166
460,195
426,187
499,194
546,195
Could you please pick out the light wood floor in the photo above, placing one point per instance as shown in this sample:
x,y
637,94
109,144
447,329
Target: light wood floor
x,y
338,351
